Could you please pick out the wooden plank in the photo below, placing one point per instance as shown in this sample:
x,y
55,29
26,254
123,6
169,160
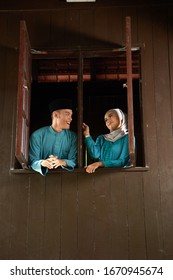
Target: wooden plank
x,y
69,216
5,216
170,45
3,52
5,200
3,29
153,219
13,30
136,216
164,124
86,204
115,26
8,57
72,28
161,76
86,27
39,28
119,217
10,90
168,194
52,218
11,85
154,235
57,29
102,218
36,218
19,217
100,27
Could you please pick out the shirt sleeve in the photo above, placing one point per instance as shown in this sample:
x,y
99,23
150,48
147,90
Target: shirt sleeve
x,y
35,155
93,147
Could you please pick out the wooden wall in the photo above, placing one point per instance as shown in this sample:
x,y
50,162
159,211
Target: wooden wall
x,y
106,215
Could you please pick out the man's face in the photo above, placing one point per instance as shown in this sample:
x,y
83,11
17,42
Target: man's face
x,y
64,118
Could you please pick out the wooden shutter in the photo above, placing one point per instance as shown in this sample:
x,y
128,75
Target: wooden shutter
x,y
23,97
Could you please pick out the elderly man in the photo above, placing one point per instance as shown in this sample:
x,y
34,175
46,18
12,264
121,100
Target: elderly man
x,y
56,145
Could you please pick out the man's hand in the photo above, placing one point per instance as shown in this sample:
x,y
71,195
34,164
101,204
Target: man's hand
x,y
53,162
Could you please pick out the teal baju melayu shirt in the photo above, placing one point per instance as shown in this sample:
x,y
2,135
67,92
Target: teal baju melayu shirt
x,y
112,154
45,142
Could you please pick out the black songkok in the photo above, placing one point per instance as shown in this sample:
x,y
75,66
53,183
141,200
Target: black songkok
x,y
59,104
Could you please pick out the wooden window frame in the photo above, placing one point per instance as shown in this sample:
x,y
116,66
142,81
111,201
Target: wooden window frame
x,y
130,93
24,96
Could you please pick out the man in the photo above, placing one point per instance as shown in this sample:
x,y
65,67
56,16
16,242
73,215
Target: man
x,y
56,145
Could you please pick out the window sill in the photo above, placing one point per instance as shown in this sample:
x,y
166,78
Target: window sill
x,y
82,170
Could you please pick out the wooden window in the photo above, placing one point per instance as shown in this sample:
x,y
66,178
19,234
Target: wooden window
x,y
23,98
96,80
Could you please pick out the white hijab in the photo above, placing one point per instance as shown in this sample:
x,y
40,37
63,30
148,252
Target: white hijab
x,y
121,131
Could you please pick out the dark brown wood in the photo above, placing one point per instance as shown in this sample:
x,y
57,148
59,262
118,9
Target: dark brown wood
x,y
154,234
130,92
59,4
69,217
8,77
80,109
102,224
53,194
19,216
135,213
86,208
111,214
36,218
119,228
170,27
164,123
23,99
115,25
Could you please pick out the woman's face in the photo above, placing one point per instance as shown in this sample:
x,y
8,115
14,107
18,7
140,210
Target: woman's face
x,y
111,120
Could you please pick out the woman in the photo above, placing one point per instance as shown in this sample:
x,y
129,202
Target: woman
x,y
112,149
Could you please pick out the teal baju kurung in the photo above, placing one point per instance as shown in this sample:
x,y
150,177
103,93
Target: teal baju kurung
x,y
45,142
112,154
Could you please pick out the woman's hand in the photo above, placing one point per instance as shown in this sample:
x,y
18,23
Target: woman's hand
x,y
91,168
86,130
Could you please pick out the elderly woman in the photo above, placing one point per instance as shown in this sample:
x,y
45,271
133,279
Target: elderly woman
x,y
109,150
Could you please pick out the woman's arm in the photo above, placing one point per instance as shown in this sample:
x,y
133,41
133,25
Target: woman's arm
x,y
124,155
